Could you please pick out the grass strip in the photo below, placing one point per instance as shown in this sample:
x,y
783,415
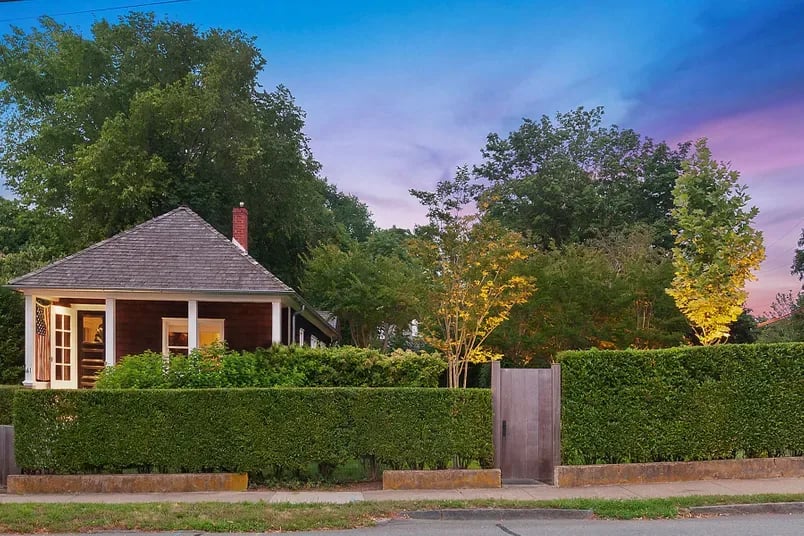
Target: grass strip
x,y
264,517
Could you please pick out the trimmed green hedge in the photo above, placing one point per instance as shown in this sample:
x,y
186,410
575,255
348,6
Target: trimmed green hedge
x,y
286,366
6,400
694,403
263,431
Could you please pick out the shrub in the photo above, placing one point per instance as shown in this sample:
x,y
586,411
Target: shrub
x,y
6,399
289,366
694,403
262,431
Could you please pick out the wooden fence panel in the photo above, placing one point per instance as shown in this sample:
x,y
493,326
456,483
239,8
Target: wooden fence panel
x,y
8,465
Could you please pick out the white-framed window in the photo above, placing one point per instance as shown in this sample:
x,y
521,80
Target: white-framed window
x,y
175,336
301,336
313,341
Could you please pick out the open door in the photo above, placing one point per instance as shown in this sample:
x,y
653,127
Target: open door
x,y
63,359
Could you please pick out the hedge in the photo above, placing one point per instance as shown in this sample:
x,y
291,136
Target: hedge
x,y
694,403
6,398
288,366
264,431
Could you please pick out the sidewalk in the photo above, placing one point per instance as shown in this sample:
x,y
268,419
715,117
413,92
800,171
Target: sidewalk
x,y
521,493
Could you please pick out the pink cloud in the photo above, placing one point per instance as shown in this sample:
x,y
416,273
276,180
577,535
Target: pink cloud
x,y
757,141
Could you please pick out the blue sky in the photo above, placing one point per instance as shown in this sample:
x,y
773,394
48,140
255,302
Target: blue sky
x,y
398,94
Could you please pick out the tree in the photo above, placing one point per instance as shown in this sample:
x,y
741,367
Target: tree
x,y
785,321
568,179
797,268
144,115
716,247
373,287
607,293
474,280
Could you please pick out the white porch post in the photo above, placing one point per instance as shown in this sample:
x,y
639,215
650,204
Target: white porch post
x,y
192,325
276,322
109,336
30,347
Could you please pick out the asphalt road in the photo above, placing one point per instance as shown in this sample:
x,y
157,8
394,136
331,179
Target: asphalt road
x,y
755,525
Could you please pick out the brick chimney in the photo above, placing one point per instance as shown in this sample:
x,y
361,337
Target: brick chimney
x,y
240,226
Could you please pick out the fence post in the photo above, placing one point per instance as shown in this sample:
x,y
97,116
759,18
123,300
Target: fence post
x,y
495,411
555,369
8,465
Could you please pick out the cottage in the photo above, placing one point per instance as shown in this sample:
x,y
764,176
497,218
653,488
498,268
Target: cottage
x,y
169,285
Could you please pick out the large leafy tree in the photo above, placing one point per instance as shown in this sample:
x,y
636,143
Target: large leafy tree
x,y
374,287
569,178
474,276
606,293
716,246
142,115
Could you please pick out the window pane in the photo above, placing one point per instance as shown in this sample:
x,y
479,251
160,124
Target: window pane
x,y
58,372
67,371
66,338
58,338
66,322
66,356
177,338
208,337
58,321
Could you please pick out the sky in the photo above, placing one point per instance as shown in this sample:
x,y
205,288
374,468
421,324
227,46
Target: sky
x,y
398,94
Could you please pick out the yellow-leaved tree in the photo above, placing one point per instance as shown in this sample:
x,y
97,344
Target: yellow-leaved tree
x,y
716,246
473,265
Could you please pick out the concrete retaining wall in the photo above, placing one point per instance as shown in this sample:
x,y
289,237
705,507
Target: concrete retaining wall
x,y
443,479
140,483
568,476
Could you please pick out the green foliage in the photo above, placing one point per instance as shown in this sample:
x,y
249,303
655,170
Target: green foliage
x,y
680,404
374,287
6,402
567,179
607,293
786,319
291,366
716,246
474,275
108,128
262,431
798,259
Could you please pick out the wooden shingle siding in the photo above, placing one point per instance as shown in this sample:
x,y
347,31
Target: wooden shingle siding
x,y
246,325
139,324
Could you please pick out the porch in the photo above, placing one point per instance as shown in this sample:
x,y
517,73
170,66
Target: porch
x,y
71,337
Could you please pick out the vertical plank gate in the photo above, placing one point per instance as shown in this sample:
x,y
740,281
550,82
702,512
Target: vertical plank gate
x,y
527,422
7,464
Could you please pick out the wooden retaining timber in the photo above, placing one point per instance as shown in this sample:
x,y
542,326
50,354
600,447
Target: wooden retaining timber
x,y
442,479
649,473
139,483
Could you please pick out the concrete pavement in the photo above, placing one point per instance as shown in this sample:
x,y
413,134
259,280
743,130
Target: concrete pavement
x,y
524,493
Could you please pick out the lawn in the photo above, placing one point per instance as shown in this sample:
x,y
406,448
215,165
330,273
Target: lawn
x,y
263,517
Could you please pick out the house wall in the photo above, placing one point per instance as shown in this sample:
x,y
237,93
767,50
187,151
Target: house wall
x,y
310,329
139,323
246,325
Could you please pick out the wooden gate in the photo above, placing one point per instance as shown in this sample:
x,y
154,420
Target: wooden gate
x,y
7,464
527,422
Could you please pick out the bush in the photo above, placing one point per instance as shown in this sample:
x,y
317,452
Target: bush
x,y
694,403
6,399
261,431
289,366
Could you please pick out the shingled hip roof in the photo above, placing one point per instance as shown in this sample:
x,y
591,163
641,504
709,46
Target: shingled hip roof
x,y
177,251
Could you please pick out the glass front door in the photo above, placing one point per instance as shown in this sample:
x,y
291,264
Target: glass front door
x,y
63,369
